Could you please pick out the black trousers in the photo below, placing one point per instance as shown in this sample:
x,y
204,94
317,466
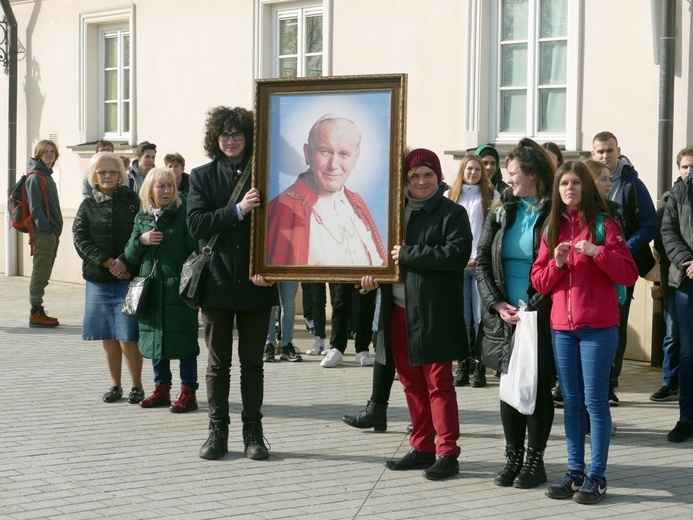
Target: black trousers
x,y
537,426
342,296
622,337
252,331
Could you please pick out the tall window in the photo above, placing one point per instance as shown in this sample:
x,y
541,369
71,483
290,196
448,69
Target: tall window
x,y
298,42
114,83
106,65
533,65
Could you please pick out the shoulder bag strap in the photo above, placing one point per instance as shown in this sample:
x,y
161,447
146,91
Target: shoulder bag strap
x,y
234,197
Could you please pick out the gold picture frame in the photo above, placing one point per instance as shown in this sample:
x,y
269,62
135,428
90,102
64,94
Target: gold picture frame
x,y
327,161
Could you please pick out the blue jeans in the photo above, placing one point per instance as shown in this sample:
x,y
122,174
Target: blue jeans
x,y
188,371
684,305
472,310
672,342
583,361
287,300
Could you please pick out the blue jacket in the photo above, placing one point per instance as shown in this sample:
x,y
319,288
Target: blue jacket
x,y
640,227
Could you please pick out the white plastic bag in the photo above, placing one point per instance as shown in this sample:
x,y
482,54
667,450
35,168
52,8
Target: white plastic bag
x,y
518,387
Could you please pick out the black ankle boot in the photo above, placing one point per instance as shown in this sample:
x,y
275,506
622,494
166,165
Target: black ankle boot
x,y
254,441
533,472
513,464
462,372
373,416
479,376
217,442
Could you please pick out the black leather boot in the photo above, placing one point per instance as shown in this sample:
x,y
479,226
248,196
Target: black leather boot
x,y
462,372
479,380
513,464
217,442
254,441
532,473
373,416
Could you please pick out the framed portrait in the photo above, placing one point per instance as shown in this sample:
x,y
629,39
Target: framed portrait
x,y
327,161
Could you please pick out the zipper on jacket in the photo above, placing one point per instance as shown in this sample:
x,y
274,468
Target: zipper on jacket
x,y
570,275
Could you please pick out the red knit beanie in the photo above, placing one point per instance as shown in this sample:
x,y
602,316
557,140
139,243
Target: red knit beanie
x,y
423,157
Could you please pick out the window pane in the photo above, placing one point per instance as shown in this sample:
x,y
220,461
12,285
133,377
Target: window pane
x,y
110,52
314,34
110,117
126,84
514,68
288,29
126,117
554,57
126,50
554,19
553,106
514,111
313,66
515,20
287,67
110,85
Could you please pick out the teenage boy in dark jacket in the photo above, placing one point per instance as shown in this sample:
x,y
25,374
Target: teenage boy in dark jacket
x,y
227,294
639,226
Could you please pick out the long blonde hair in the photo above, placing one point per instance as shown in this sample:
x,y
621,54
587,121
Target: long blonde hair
x,y
485,186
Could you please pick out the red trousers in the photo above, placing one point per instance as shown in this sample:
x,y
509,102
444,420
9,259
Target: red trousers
x,y
430,393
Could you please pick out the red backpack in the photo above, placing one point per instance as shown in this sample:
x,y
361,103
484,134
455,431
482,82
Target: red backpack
x,y
18,205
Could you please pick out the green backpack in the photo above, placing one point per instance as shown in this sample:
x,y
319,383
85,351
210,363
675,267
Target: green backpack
x,y
599,230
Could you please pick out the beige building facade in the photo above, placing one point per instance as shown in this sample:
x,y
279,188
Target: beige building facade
x,y
479,71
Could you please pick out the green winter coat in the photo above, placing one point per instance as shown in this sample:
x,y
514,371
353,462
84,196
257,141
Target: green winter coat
x,y
168,327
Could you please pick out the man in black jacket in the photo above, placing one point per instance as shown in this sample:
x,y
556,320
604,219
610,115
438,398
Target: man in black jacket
x,y
677,235
227,294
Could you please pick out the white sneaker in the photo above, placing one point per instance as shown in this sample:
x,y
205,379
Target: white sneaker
x,y
333,358
365,358
317,348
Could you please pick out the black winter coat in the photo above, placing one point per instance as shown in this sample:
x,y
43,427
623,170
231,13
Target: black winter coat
x,y
227,282
496,344
101,230
436,249
677,230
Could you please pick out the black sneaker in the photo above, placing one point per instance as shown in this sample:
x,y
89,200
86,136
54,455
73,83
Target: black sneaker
x,y
682,431
567,486
136,395
613,398
665,393
592,491
289,353
557,397
268,355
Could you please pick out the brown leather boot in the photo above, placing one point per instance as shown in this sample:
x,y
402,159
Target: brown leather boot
x,y
38,318
160,397
187,402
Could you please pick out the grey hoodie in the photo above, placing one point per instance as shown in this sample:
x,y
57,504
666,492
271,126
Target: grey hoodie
x,y
614,192
37,206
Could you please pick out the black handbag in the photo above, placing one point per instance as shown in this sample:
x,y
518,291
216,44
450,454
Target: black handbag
x,y
192,274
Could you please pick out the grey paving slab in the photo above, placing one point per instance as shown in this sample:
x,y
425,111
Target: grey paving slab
x,y
64,454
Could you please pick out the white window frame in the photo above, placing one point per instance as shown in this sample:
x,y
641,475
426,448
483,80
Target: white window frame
x,y
91,114
267,16
482,124
118,31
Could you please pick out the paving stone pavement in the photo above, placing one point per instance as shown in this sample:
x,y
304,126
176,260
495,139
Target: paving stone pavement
x,y
65,454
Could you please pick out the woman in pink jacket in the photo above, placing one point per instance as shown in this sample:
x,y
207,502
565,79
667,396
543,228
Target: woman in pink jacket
x,y
580,271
